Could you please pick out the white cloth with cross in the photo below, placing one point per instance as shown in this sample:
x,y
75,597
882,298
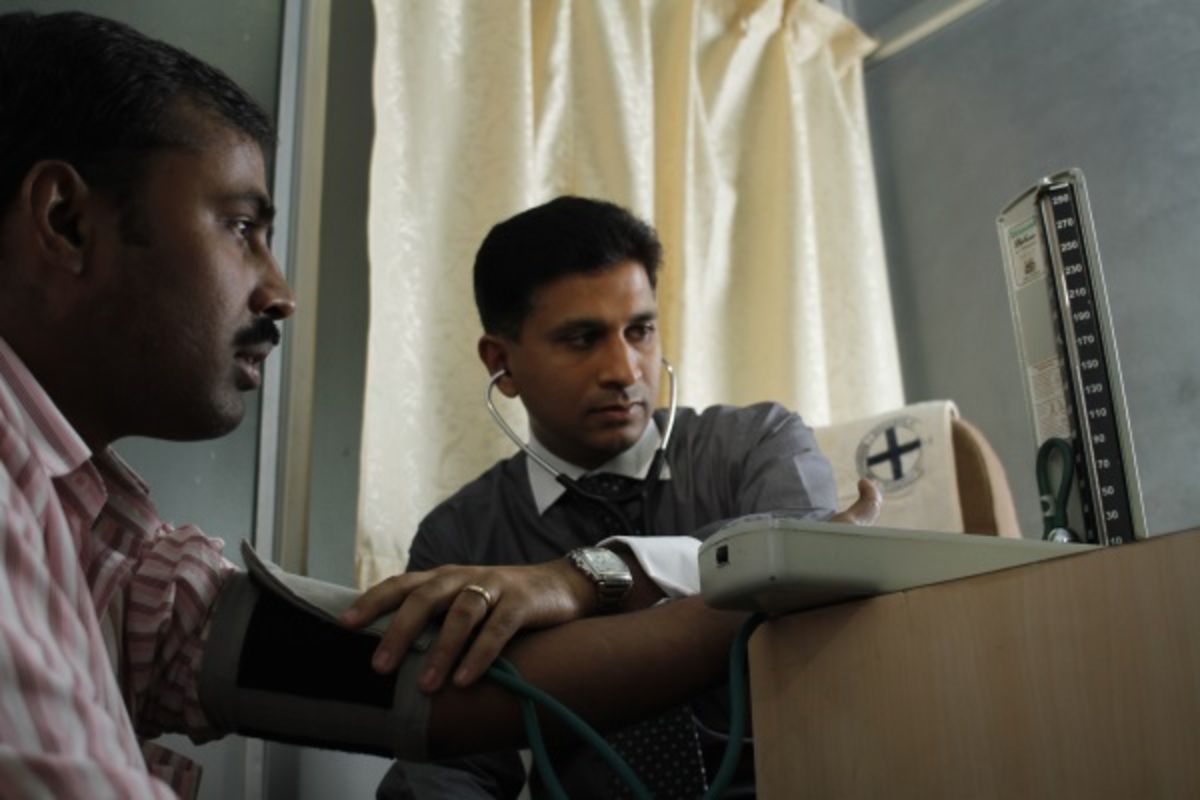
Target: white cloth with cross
x,y
909,453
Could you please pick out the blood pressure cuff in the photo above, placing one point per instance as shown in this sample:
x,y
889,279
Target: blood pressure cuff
x,y
277,665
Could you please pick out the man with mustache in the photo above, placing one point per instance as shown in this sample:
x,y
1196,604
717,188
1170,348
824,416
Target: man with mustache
x,y
566,294
139,296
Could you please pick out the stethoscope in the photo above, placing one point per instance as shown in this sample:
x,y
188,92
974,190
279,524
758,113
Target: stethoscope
x,y
612,505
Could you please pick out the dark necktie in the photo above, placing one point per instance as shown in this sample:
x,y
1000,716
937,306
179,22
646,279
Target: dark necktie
x,y
613,488
664,751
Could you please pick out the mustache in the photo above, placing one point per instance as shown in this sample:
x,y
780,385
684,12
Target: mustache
x,y
263,329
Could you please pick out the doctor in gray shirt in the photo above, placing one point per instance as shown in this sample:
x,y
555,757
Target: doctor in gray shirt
x,y
566,294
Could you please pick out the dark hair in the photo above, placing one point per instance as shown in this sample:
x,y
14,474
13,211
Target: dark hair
x,y
98,95
565,236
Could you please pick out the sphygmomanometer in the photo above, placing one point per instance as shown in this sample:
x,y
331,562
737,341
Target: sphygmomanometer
x,y
278,665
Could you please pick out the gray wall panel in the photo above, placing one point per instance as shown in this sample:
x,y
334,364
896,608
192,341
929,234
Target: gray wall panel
x,y
871,14
301,773
342,324
973,115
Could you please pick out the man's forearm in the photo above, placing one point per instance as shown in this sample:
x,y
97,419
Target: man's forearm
x,y
610,670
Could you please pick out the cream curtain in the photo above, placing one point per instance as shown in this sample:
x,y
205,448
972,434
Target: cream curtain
x,y
737,128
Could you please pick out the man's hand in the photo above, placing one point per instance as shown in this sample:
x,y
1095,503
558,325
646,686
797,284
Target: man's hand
x,y
512,599
865,510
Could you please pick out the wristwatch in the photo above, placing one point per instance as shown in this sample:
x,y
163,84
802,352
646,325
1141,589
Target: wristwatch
x,y
608,571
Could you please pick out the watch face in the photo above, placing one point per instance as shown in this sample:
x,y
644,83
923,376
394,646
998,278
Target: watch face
x,y
604,561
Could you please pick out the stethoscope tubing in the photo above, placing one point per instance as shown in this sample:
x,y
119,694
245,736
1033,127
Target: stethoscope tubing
x,y
608,504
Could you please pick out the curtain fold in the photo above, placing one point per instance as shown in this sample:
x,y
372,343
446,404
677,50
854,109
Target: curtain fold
x,y
737,128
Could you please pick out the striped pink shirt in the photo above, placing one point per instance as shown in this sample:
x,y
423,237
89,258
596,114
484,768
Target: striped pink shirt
x,y
103,610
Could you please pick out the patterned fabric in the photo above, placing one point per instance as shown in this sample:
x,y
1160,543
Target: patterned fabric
x,y
664,751
102,614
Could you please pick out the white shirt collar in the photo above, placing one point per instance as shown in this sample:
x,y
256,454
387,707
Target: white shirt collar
x,y
633,462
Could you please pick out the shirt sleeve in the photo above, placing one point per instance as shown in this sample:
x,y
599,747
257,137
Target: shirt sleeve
x,y
428,548
773,463
64,731
672,562
779,467
176,579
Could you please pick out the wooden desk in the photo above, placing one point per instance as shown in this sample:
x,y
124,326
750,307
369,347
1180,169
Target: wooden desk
x,y
1078,677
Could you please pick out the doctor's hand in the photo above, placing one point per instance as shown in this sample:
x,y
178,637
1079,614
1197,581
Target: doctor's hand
x,y
864,510
495,602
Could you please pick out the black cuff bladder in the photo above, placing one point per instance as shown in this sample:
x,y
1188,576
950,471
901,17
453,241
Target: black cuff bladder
x,y
277,665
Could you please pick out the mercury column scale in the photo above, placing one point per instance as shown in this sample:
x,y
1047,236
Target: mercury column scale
x,y
1069,357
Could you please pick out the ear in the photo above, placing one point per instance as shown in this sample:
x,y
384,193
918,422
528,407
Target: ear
x,y
59,207
493,352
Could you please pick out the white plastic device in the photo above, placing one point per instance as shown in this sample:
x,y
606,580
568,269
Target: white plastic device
x,y
776,563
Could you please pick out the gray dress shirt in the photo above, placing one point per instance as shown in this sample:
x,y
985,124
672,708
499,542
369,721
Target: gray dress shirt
x,y
724,463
